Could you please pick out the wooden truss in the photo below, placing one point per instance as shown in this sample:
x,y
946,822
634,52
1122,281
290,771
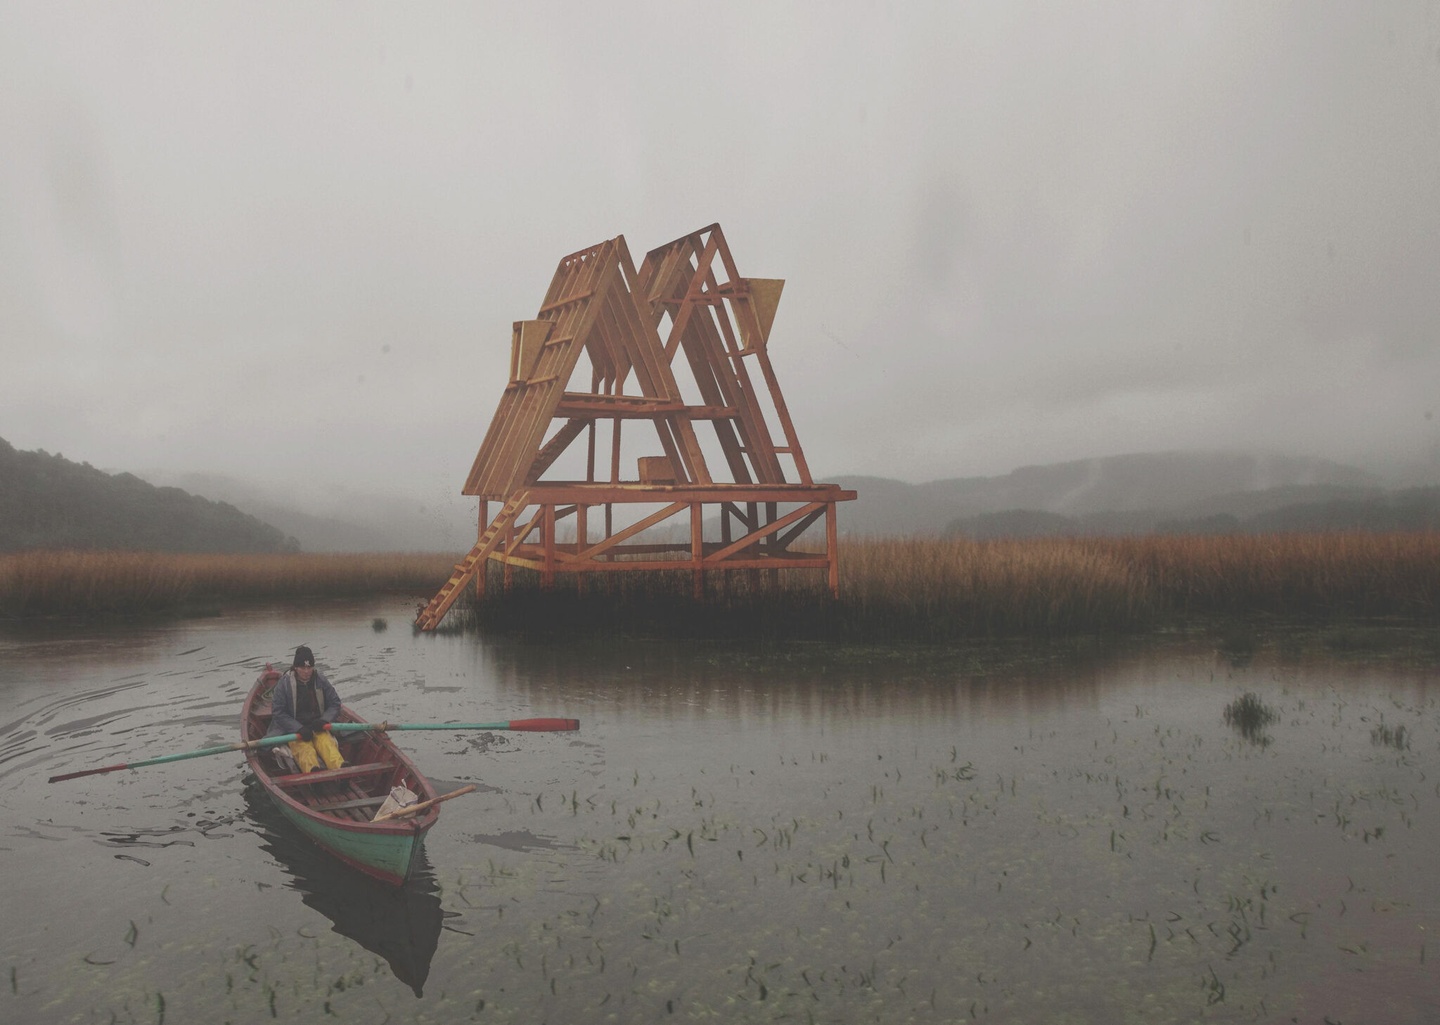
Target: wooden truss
x,y
686,300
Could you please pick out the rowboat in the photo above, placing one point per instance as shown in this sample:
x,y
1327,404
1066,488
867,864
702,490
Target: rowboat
x,y
398,923
335,808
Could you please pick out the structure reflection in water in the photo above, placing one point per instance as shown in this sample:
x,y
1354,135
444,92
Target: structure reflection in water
x,y
402,925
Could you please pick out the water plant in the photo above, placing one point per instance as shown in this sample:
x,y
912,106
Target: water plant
x,y
1250,716
1383,735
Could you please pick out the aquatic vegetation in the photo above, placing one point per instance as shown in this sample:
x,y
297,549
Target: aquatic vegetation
x,y
1250,716
128,583
934,589
1397,737
926,589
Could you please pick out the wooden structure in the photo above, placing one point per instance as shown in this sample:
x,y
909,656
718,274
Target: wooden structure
x,y
336,807
706,422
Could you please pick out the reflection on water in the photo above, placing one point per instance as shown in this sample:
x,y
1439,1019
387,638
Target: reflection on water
x,y
401,925
999,833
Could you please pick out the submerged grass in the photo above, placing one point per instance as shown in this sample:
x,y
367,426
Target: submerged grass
x,y
928,589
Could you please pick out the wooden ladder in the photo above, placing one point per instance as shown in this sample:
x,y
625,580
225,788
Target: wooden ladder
x,y
430,616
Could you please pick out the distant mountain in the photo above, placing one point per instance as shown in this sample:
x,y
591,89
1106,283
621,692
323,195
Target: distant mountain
x,y
1152,486
49,502
339,521
1273,511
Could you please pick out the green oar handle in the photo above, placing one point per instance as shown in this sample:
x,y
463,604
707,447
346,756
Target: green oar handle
x,y
246,745
528,725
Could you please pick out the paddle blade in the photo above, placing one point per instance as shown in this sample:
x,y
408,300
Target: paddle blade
x,y
544,725
87,772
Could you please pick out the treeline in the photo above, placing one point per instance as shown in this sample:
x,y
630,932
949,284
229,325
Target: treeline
x,y
49,502
1413,509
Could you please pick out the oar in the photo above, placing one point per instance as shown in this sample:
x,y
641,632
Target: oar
x,y
413,808
529,725
246,745
526,725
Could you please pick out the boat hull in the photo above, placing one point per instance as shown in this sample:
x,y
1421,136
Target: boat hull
x,y
333,809
389,857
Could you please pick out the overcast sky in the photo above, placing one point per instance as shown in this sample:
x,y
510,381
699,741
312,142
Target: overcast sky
x,y
287,241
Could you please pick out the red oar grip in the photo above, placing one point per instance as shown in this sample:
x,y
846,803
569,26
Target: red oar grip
x,y
544,725
88,772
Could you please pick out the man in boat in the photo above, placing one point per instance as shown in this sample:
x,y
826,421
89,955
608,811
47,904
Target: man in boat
x,y
306,703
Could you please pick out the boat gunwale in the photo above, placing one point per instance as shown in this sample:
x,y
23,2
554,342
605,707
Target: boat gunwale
x,y
413,826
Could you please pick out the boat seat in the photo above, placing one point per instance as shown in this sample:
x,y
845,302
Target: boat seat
x,y
300,779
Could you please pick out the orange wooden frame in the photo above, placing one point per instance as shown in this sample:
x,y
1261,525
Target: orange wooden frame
x,y
686,299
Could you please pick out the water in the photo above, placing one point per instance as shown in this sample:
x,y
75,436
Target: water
x,y
795,835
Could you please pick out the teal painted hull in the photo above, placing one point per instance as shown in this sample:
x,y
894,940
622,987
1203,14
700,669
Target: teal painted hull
x,y
388,856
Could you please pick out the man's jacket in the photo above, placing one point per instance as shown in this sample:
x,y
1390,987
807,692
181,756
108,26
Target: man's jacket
x,y
283,703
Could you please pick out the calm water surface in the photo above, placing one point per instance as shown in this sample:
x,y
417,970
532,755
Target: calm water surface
x,y
731,836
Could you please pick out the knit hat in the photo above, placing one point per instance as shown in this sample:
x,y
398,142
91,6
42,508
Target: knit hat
x,y
303,657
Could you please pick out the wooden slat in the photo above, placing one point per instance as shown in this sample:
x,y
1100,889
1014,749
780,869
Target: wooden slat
x,y
358,802
300,779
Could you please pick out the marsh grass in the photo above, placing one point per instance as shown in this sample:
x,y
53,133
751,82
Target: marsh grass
x,y
929,589
131,583
936,589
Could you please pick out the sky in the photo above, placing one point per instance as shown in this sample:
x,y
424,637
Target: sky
x,y
285,242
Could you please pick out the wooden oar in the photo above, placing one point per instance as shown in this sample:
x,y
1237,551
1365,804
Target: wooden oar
x,y
529,725
412,809
526,725
246,745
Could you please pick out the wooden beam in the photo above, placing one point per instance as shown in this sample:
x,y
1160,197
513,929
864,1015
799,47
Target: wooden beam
x,y
764,532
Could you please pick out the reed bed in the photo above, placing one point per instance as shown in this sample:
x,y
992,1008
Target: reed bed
x,y
129,583
939,588
923,588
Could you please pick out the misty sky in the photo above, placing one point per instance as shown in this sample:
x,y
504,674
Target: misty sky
x,y
287,241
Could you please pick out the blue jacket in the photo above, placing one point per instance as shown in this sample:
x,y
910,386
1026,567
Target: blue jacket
x,y
282,703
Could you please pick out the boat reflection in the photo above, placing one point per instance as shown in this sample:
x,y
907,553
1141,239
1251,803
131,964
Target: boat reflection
x,y
401,925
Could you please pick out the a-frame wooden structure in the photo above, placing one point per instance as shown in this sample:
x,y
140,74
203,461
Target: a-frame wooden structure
x,y
685,299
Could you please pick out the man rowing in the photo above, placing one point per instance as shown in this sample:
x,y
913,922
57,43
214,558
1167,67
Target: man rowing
x,y
305,703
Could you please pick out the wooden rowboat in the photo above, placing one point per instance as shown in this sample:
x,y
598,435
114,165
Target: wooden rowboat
x,y
334,807
399,923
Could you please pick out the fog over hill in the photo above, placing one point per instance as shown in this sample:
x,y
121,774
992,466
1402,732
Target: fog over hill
x,y
1148,487
1152,485
339,519
48,502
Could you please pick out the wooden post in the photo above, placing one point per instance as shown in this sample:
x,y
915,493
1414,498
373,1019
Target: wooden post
x,y
508,574
697,549
547,575
772,512
832,547
484,521
582,539
615,450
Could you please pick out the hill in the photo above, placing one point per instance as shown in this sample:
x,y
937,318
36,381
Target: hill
x,y
47,501
338,519
1142,490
